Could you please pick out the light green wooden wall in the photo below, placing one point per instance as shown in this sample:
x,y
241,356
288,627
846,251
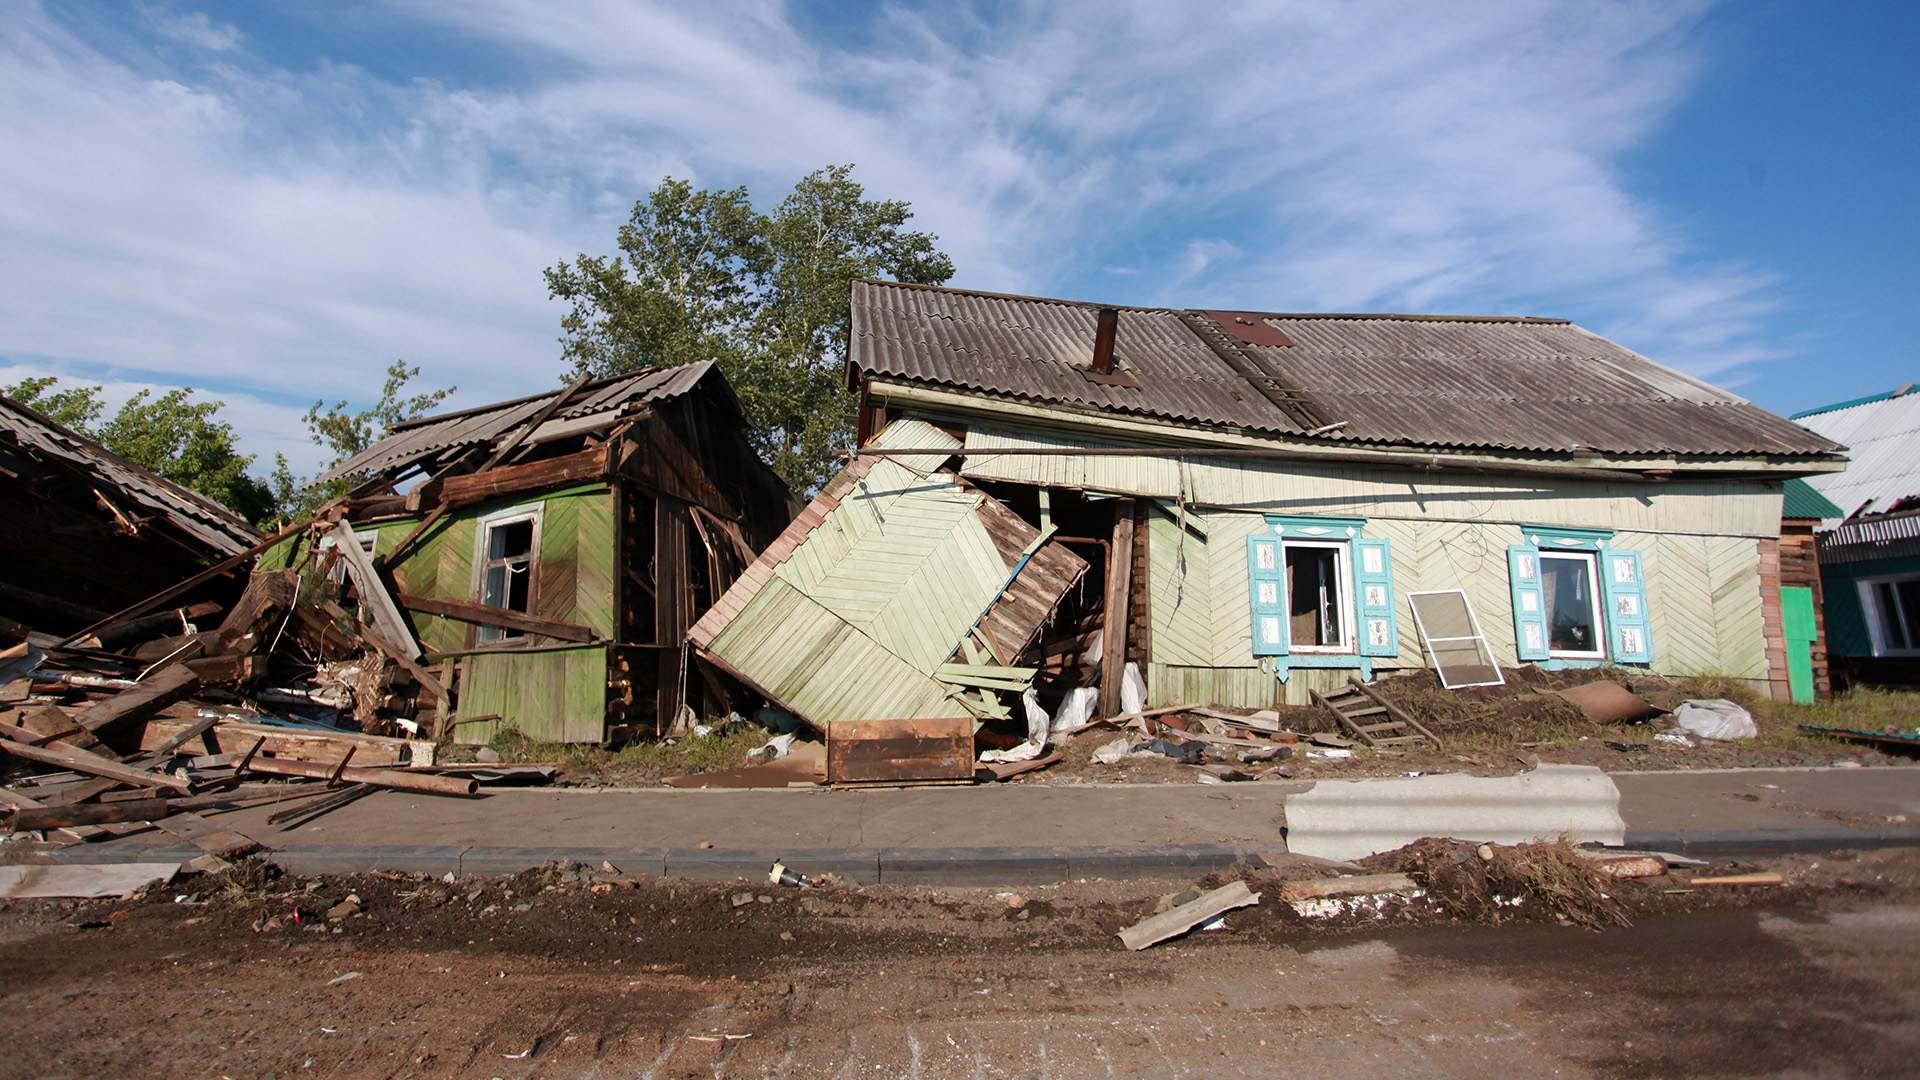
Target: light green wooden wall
x,y
855,621
1297,487
551,695
1703,593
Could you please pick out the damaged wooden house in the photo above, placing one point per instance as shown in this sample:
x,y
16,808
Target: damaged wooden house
x,y
1249,509
88,533
538,562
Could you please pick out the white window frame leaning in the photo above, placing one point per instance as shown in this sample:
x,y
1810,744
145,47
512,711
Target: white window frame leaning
x,y
1343,563
1592,560
483,529
1870,606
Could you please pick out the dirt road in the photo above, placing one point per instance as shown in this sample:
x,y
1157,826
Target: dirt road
x,y
514,979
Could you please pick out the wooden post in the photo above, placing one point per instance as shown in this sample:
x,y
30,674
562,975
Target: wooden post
x,y
1113,625
672,605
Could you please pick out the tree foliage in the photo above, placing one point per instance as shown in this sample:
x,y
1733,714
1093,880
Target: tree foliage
x,y
345,433
172,435
702,275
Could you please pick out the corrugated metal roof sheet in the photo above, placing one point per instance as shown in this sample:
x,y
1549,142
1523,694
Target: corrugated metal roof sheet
x,y
598,405
223,531
1883,437
1434,381
1800,500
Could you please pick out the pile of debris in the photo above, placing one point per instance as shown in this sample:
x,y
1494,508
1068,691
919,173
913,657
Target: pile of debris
x,y
165,719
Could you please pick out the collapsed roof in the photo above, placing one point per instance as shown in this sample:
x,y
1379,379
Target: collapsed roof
x,y
597,405
1433,381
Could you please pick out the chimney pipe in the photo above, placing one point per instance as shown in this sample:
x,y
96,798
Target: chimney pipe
x,y
1103,340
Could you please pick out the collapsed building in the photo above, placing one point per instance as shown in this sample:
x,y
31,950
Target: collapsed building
x,y
1250,509
535,563
89,533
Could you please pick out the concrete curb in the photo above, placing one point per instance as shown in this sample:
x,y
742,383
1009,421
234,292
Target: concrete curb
x,y
864,866
913,866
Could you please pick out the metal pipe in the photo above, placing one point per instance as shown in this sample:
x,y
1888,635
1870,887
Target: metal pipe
x,y
391,778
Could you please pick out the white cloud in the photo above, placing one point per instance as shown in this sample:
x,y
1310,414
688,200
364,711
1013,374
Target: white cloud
x,y
194,28
281,234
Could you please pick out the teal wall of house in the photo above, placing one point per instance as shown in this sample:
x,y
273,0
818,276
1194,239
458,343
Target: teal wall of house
x,y
1847,631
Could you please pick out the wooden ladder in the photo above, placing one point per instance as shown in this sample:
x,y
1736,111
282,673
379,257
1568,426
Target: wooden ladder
x,y
1360,708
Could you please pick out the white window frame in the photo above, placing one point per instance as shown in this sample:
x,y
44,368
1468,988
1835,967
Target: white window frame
x,y
1870,604
1473,617
1592,561
483,529
1343,564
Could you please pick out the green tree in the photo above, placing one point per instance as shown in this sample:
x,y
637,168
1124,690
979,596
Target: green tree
x,y
345,433
702,275
173,435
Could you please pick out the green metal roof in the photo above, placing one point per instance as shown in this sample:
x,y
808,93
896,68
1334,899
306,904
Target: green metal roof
x,y
1869,399
1802,501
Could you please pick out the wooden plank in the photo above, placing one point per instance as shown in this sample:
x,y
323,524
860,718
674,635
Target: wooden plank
x,y
421,675
589,464
205,835
377,608
18,741
939,748
482,615
236,737
1113,619
1356,885
81,881
162,688
1167,924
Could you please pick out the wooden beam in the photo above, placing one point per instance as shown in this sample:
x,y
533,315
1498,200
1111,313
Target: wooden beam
x,y
162,688
196,580
482,615
1113,624
546,412
377,609
18,741
233,736
411,663
592,463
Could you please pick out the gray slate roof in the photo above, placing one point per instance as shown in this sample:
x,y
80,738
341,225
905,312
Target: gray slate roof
x,y
224,532
1456,382
599,405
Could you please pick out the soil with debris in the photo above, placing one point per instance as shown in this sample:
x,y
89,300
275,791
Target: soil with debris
x,y
1507,729
559,972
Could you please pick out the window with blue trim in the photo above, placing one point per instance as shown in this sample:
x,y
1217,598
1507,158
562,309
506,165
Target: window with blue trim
x,y
1578,598
1321,594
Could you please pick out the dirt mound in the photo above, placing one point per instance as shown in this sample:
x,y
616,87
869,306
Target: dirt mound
x,y
1493,883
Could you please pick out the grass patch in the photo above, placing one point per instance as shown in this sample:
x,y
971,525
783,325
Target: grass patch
x,y
638,762
1778,721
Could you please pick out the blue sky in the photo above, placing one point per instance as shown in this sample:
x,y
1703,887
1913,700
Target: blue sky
x,y
272,202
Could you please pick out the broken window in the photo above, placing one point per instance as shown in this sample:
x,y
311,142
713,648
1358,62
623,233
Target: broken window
x,y
1318,597
506,571
1569,584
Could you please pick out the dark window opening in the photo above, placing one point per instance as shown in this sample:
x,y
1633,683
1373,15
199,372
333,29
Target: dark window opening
x,y
1898,605
507,579
1567,583
1314,591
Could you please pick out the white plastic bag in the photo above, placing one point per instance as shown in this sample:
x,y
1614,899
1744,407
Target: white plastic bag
x,y
1133,689
1076,710
1036,743
1715,718
1112,752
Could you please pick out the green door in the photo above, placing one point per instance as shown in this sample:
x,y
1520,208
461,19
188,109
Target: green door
x,y
1796,615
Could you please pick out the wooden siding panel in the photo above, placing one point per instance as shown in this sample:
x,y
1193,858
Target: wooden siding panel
x,y
1720,508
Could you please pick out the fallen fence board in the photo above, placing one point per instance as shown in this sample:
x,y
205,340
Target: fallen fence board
x,y
69,881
